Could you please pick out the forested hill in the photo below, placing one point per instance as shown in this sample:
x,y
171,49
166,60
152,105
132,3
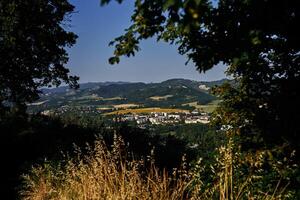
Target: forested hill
x,y
170,93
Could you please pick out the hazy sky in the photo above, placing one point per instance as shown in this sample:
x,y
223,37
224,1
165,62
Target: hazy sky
x,y
96,26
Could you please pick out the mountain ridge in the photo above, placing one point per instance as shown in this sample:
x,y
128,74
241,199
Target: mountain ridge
x,y
88,85
172,93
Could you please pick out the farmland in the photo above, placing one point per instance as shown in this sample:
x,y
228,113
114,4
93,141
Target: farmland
x,y
147,110
208,108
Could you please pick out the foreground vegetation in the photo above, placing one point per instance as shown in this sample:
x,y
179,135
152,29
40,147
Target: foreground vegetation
x,y
102,174
111,173
258,114
141,165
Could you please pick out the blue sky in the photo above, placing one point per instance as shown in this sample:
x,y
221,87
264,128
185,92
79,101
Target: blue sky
x,y
96,26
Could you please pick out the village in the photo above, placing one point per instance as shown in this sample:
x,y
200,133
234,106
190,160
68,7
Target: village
x,y
165,118
155,117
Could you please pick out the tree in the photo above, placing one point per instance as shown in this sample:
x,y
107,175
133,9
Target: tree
x,y
32,48
257,40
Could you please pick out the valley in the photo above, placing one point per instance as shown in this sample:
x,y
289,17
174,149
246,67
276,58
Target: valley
x,y
174,95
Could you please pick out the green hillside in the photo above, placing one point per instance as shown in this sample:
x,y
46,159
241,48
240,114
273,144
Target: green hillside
x,y
173,93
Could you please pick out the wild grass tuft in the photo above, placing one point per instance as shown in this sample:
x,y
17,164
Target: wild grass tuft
x,y
102,174
111,173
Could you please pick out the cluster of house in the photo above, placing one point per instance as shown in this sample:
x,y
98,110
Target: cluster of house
x,y
66,109
166,118
145,118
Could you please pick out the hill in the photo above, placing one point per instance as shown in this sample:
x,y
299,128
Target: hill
x,y
173,93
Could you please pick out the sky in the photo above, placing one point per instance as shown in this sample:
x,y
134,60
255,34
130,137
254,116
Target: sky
x,y
96,26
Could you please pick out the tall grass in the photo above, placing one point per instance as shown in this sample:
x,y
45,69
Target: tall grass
x,y
111,173
102,174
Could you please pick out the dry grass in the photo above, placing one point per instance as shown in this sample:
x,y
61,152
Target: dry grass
x,y
103,174
111,174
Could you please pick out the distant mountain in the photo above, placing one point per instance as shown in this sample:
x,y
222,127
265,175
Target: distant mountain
x,y
83,86
169,93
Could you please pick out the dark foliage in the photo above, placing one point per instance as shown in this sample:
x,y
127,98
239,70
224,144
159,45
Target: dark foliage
x,y
258,40
28,141
33,39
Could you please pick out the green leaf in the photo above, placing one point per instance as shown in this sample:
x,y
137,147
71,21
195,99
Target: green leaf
x,y
168,4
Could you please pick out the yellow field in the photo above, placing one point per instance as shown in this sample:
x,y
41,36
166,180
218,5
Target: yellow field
x,y
209,108
159,98
126,105
103,108
112,98
37,103
147,110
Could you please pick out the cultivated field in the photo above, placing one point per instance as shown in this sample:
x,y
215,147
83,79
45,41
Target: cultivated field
x,y
112,99
126,105
97,98
159,98
209,108
147,110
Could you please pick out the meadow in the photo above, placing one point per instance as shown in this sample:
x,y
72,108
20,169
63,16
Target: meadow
x,y
208,108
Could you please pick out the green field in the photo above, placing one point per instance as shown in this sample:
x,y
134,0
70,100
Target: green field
x,y
209,108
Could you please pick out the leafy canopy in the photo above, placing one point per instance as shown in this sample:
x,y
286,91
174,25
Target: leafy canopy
x,y
32,48
257,40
